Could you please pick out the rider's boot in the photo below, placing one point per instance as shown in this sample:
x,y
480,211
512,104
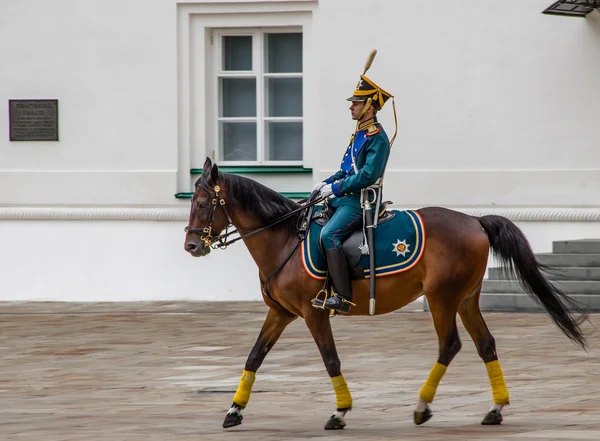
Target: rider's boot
x,y
340,276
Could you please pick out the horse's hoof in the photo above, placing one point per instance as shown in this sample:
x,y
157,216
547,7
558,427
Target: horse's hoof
x,y
335,423
492,418
232,419
423,417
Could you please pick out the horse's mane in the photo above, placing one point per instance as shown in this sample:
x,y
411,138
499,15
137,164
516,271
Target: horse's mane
x,y
262,202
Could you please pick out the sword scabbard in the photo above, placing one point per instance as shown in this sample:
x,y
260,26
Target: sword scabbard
x,y
371,244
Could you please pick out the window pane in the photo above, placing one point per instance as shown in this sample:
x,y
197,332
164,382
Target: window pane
x,y
284,141
284,96
238,141
238,97
284,53
237,53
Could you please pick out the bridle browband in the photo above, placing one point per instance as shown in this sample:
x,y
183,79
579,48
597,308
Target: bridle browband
x,y
206,232
221,241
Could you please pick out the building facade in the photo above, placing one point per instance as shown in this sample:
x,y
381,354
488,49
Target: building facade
x,y
498,110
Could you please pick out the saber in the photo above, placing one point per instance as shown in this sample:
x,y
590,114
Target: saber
x,y
369,226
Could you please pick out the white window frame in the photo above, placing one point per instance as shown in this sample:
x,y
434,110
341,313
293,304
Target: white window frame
x,y
196,20
259,51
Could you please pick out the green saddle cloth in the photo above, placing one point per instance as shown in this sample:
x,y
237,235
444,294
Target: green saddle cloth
x,y
399,245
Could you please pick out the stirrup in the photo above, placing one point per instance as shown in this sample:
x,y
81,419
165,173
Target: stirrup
x,y
320,303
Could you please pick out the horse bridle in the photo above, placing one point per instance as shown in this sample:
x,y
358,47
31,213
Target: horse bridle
x,y
206,232
221,240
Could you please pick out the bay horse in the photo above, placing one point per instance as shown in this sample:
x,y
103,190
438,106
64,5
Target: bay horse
x,y
450,275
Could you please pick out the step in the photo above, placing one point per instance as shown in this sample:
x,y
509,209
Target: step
x,y
512,302
567,286
581,273
580,246
564,259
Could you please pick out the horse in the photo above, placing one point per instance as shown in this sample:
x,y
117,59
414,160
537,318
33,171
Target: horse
x,y
449,274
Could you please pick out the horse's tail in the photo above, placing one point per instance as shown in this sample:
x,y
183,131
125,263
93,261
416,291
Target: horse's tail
x,y
511,247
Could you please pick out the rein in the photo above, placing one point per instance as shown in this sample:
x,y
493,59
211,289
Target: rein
x,y
221,241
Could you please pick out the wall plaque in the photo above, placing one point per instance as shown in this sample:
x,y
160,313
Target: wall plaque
x,y
33,120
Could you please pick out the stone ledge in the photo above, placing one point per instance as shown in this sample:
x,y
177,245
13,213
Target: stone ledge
x,y
182,213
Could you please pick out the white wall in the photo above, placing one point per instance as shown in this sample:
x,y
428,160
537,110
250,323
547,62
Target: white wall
x,y
116,261
112,66
497,103
541,234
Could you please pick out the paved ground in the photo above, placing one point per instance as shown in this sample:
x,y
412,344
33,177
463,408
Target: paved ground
x,y
168,371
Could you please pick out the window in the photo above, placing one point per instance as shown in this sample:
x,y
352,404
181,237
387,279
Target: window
x,y
573,8
259,96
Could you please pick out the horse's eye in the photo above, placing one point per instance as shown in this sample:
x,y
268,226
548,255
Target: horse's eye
x,y
203,206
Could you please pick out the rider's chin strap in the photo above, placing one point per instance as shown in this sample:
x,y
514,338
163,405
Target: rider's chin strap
x,y
365,109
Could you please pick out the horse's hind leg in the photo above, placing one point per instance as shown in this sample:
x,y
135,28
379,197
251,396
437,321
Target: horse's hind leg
x,y
472,319
275,322
320,327
444,320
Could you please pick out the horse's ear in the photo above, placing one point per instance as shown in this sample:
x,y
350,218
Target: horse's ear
x,y
207,167
214,174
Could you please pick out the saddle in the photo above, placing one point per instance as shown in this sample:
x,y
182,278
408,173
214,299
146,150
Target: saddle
x,y
350,245
399,243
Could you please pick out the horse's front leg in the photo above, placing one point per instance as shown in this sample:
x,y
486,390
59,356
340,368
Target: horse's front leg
x,y
318,323
275,323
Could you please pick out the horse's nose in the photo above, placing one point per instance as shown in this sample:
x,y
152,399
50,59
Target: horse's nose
x,y
191,247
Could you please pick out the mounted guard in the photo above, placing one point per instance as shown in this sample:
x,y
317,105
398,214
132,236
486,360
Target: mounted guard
x,y
355,191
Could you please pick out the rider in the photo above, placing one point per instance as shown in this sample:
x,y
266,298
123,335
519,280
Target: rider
x,y
362,165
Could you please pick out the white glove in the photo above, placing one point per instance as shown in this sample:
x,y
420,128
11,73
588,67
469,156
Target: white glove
x,y
326,191
319,186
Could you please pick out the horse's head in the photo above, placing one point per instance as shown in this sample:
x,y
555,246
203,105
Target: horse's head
x,y
208,216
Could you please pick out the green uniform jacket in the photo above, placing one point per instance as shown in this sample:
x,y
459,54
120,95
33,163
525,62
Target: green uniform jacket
x,y
371,149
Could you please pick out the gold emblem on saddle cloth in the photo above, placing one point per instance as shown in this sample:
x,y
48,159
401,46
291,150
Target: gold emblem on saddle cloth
x,y
400,247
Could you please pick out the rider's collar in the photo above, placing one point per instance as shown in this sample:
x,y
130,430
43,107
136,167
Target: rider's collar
x,y
365,124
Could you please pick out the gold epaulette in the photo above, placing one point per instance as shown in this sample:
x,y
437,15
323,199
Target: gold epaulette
x,y
373,130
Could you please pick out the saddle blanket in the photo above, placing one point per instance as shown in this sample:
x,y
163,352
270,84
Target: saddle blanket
x,y
399,245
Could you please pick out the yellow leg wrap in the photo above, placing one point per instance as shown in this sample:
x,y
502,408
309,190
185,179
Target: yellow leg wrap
x,y
343,399
242,395
499,389
429,388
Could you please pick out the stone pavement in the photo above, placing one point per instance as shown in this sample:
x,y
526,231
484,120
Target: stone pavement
x,y
168,371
